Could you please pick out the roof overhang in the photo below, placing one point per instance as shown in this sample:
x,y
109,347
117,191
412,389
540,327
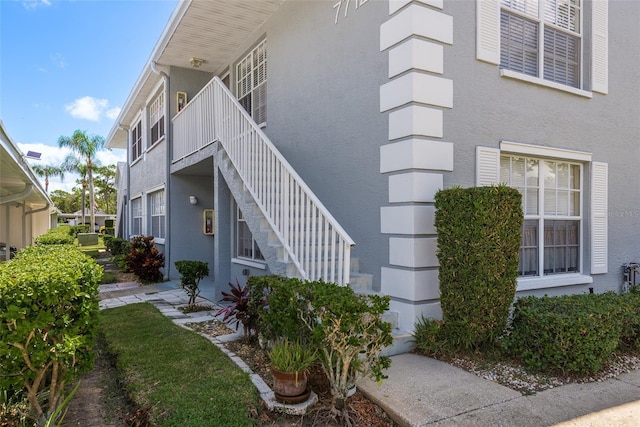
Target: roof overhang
x,y
18,183
212,30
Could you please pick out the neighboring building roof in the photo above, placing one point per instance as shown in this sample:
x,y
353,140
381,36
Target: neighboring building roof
x,y
18,183
208,29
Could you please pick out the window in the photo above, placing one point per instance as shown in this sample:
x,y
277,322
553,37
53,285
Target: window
x,y
136,216
551,201
542,38
136,141
156,118
545,42
156,202
251,83
246,247
552,182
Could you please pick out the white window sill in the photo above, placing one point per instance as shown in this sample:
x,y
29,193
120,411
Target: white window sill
x,y
249,263
136,160
158,241
547,83
553,281
155,144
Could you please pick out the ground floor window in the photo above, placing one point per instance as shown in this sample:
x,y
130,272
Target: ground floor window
x,y
136,216
246,246
552,205
157,214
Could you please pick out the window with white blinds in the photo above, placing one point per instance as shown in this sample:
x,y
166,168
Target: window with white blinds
x,y
542,38
251,82
552,183
136,216
246,246
136,141
552,206
156,118
157,213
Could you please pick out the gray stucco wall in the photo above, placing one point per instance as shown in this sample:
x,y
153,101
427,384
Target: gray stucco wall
x,y
323,111
489,108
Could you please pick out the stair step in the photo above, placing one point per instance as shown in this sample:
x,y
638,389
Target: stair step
x,y
403,342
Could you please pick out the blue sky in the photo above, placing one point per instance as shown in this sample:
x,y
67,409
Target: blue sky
x,y
70,64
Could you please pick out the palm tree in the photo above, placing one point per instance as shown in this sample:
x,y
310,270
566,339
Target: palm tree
x,y
47,171
85,147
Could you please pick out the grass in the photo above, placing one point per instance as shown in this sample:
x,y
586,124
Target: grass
x,y
108,277
185,379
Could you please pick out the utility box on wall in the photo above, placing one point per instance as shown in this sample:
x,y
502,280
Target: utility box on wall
x,y
207,222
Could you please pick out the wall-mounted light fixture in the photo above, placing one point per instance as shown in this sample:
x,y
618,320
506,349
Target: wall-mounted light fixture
x,y
196,62
193,200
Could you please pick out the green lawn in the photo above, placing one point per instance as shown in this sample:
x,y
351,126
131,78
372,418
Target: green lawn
x,y
185,378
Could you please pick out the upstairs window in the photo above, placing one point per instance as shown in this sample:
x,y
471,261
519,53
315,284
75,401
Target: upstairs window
x,y
542,38
136,141
156,118
251,83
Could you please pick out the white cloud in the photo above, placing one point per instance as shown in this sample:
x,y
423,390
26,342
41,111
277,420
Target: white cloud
x,y
54,155
90,108
112,113
33,4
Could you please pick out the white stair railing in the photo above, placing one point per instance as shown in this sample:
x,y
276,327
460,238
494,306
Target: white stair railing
x,y
313,240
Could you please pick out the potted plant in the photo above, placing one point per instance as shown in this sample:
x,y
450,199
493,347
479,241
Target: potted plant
x,y
290,363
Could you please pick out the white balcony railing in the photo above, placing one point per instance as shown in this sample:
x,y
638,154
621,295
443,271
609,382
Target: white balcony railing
x,y
313,240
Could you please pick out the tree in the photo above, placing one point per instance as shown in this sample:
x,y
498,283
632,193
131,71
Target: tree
x,y
105,183
47,171
73,164
66,202
85,147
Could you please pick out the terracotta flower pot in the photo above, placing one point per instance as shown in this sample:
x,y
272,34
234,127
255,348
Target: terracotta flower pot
x,y
290,387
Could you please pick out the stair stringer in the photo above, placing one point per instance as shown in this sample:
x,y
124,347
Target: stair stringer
x,y
271,248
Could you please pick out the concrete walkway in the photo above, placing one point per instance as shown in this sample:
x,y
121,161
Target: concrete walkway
x,y
421,391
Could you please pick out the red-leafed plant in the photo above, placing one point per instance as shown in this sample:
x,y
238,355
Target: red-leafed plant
x,y
145,260
239,311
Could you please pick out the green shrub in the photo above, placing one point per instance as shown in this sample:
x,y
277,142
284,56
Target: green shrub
x,y
429,337
278,304
349,333
478,248
568,334
80,228
117,246
145,260
55,236
48,316
192,272
630,335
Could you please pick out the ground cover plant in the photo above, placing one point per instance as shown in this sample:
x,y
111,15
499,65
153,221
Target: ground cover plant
x,y
180,376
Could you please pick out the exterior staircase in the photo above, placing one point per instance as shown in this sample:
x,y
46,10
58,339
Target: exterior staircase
x,y
296,234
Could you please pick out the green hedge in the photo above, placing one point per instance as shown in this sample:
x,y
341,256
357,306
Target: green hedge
x,y
478,247
56,236
568,334
48,316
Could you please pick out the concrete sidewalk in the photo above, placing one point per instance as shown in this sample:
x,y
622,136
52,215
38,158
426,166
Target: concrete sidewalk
x,y
421,391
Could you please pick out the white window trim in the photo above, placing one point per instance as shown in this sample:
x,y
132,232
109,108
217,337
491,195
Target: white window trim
x,y
488,43
542,82
149,194
249,263
542,151
142,214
